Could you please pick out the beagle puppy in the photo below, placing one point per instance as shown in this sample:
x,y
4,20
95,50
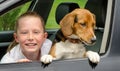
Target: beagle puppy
x,y
77,30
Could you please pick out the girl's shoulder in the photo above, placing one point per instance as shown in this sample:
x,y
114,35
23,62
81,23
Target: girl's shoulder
x,y
15,48
47,42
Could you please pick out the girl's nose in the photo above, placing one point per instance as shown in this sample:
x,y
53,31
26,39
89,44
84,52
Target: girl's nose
x,y
30,37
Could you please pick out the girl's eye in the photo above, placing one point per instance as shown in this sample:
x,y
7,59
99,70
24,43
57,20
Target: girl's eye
x,y
36,32
23,32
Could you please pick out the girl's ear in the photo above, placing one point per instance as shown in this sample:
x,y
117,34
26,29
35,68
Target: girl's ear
x,y
15,37
45,35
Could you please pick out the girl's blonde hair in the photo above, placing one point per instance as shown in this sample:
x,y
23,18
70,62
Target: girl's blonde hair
x,y
29,13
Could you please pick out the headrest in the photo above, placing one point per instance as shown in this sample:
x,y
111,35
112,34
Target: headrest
x,y
99,8
6,36
63,9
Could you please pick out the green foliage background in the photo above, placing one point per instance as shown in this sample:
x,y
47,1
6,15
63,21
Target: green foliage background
x,y
7,20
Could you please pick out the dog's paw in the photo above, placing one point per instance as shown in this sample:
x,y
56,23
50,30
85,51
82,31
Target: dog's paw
x,y
93,56
46,59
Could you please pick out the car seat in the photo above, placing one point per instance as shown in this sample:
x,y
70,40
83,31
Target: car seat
x,y
61,11
6,37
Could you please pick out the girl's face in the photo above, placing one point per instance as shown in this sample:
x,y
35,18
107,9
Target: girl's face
x,y
30,34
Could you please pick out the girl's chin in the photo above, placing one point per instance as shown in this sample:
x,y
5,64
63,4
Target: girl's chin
x,y
31,48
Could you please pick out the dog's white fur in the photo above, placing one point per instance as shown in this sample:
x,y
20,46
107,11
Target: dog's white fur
x,y
68,50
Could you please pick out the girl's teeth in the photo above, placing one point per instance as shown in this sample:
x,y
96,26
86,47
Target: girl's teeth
x,y
30,44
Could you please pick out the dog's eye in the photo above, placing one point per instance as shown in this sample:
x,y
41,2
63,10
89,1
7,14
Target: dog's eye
x,y
83,24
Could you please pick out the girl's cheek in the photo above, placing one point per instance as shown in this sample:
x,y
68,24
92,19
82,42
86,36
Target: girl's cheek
x,y
22,39
40,39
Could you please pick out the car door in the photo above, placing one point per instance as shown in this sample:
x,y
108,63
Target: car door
x,y
107,32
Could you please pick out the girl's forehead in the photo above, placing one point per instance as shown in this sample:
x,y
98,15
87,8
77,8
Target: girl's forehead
x,y
30,22
29,18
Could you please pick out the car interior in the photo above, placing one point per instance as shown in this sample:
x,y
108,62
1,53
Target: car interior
x,y
98,8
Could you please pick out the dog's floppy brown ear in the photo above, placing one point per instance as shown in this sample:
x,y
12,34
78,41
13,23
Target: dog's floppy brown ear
x,y
66,24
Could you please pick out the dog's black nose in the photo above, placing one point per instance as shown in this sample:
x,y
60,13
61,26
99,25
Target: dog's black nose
x,y
93,40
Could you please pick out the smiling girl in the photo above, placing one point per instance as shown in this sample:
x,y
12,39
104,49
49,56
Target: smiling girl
x,y
30,40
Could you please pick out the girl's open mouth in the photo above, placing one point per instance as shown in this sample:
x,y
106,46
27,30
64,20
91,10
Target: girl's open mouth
x,y
30,44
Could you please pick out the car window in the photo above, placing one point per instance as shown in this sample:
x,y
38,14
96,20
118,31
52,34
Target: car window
x,y
56,11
